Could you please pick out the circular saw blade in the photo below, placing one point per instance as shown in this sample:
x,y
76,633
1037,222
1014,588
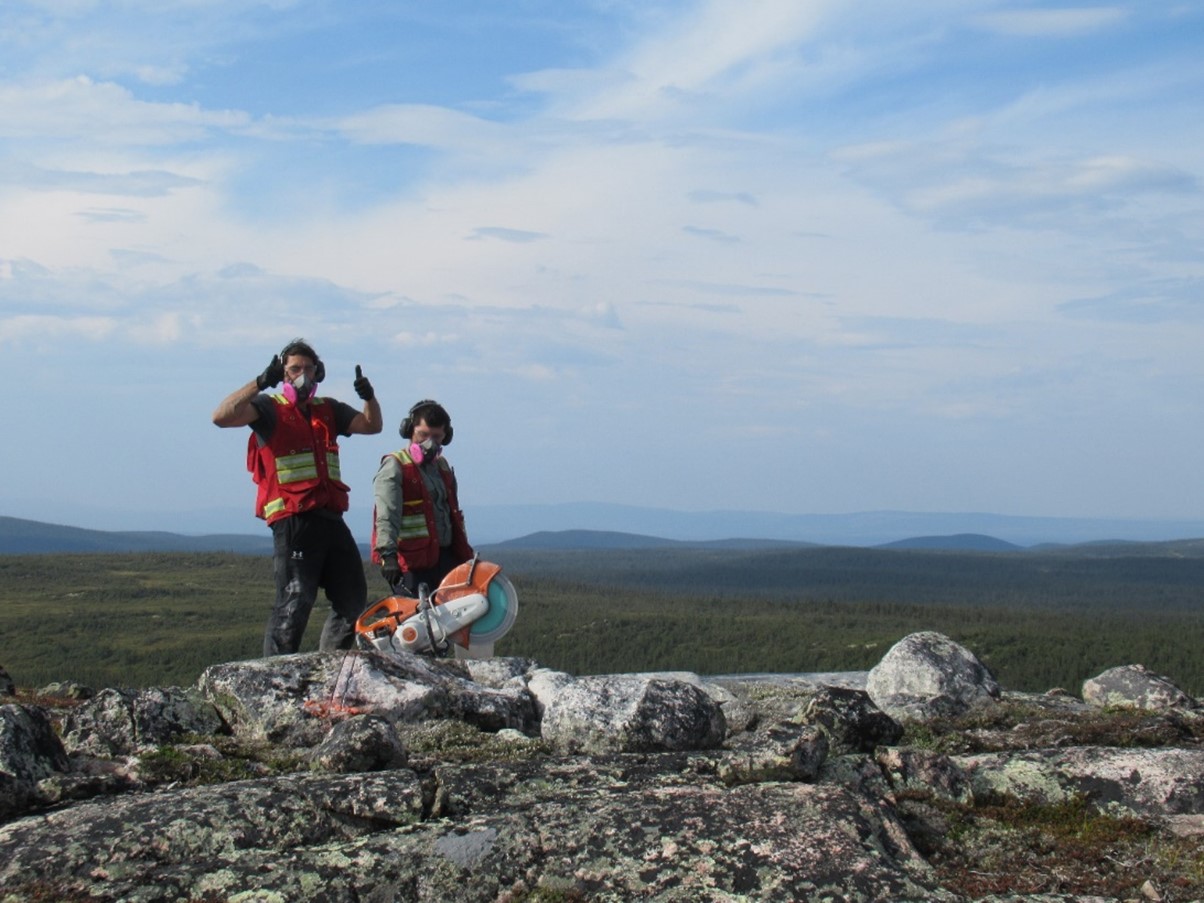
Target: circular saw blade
x,y
503,609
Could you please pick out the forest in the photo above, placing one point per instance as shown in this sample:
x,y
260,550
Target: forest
x,y
1038,620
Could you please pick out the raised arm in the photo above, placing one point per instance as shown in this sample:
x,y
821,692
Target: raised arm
x,y
236,408
368,421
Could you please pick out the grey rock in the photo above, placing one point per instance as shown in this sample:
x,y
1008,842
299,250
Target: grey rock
x,y
287,700
120,722
1147,782
592,829
500,780
67,689
362,743
1135,687
629,713
851,720
780,752
29,748
926,773
926,674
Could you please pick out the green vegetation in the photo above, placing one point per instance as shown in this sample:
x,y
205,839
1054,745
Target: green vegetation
x,y
1038,620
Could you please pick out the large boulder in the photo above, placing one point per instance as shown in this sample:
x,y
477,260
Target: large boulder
x,y
927,675
1135,687
292,700
631,713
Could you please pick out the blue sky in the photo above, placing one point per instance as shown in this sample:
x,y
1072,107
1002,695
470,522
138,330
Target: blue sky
x,y
807,257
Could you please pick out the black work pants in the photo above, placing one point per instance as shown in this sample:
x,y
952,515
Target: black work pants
x,y
432,576
313,550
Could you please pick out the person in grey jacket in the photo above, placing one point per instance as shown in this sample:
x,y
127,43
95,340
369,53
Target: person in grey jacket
x,y
418,533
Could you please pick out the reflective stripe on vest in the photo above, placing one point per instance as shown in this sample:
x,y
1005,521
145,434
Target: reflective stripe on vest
x,y
413,521
294,468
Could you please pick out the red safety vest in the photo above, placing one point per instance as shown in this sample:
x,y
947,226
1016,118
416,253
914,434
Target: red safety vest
x,y
298,469
418,538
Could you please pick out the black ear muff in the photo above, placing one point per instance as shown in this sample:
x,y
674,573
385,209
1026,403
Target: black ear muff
x,y
319,370
407,425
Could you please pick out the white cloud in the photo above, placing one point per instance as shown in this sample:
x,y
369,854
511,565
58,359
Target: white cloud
x,y
44,111
1053,23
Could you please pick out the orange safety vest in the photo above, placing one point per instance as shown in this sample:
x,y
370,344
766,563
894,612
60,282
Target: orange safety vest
x,y
418,538
298,468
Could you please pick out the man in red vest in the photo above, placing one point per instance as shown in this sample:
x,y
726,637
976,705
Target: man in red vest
x,y
418,531
293,456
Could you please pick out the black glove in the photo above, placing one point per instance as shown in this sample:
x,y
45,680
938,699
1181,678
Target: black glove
x,y
363,388
390,569
272,374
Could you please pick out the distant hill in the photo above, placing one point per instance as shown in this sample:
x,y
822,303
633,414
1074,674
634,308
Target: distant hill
x,y
28,537
612,539
960,542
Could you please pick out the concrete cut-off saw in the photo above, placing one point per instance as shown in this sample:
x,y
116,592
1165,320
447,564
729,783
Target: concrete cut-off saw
x,y
472,609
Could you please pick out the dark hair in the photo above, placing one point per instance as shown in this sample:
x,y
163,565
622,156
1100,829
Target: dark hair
x,y
298,346
431,413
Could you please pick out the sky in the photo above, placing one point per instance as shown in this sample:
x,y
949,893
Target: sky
x,y
770,255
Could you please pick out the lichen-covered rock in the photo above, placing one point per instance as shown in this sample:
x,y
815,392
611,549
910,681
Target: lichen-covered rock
x,y
1135,687
29,747
16,796
630,713
67,689
362,743
927,674
923,772
121,722
780,752
290,700
168,846
498,780
851,720
591,829
1117,781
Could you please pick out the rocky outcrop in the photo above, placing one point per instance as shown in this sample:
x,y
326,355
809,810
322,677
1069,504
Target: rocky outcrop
x,y
362,777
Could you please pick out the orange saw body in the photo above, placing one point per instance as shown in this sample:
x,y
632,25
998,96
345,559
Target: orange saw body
x,y
473,607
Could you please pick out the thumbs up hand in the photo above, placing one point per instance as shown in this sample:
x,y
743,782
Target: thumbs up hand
x,y
363,388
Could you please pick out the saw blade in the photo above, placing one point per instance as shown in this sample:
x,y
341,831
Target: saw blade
x,y
503,609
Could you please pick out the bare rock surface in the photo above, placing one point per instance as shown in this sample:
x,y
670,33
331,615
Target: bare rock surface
x,y
360,777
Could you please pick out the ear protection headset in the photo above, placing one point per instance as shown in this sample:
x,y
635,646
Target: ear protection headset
x,y
296,346
407,426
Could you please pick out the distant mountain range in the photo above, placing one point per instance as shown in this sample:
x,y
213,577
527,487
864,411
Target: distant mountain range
x,y
489,524
27,537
